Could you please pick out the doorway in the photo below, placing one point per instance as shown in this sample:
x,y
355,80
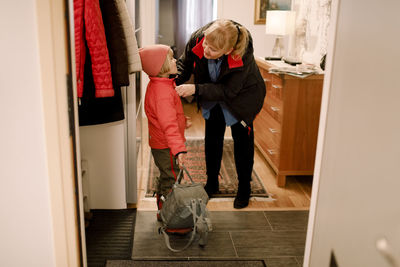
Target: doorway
x,y
262,166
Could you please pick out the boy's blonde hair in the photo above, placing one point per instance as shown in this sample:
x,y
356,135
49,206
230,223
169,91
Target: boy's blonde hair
x,y
224,34
166,67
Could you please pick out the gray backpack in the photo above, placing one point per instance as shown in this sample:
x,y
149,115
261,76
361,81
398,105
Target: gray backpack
x,y
184,211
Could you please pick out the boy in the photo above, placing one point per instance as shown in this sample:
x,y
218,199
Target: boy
x,y
166,119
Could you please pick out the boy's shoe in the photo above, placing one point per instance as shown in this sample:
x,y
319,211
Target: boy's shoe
x,y
160,202
159,216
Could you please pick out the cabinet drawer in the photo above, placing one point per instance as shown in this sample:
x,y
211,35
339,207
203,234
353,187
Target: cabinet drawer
x,y
269,127
274,107
268,148
273,84
266,75
267,134
275,87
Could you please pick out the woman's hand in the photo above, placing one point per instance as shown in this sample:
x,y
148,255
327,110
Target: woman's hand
x,y
185,90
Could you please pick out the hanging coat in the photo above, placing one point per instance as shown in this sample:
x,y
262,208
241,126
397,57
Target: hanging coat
x,y
116,42
133,51
89,27
98,110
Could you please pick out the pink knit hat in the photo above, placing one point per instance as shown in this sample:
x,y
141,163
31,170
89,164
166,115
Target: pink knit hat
x,y
153,57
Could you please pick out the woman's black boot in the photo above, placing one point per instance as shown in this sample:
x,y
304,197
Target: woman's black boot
x,y
242,196
211,188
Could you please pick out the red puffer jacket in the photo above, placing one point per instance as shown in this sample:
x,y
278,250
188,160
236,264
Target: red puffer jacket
x,y
88,20
165,115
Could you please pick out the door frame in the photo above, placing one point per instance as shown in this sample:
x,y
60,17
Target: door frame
x,y
57,71
321,130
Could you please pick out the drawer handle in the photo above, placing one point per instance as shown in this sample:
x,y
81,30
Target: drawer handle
x,y
271,151
272,130
274,109
276,86
266,80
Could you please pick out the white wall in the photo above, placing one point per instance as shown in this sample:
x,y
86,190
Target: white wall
x,y
25,225
243,13
357,199
238,10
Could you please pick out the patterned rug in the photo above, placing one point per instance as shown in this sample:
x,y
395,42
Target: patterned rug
x,y
196,166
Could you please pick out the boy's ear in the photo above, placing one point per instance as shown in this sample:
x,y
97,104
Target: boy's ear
x,y
229,51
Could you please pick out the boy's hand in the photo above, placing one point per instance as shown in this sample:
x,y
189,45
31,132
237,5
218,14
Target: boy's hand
x,y
185,90
181,160
188,122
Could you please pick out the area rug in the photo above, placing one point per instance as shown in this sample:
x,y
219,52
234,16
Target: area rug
x,y
196,165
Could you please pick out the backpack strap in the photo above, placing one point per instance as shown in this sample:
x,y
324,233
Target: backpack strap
x,y
166,237
180,175
203,224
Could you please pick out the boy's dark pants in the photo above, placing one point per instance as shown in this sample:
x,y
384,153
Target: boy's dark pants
x,y
243,150
169,170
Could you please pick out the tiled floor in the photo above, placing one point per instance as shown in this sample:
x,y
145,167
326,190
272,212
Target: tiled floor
x,y
276,236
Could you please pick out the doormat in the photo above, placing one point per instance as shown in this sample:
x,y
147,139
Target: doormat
x,y
186,263
196,165
109,235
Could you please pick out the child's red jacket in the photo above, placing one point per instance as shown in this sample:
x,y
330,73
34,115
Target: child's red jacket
x,y
165,115
89,30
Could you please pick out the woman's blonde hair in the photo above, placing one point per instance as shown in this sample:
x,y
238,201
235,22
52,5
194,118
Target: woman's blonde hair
x,y
166,66
224,34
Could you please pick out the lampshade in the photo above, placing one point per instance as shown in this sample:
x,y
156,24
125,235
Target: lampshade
x,y
280,22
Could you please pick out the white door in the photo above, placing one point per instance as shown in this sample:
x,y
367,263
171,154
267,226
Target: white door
x,y
355,211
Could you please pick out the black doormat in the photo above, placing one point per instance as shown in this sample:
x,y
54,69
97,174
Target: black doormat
x,y
186,263
109,236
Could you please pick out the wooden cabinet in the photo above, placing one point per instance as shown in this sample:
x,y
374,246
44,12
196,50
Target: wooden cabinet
x,y
286,129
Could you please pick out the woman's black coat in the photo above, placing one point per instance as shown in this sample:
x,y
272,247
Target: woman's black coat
x,y
240,84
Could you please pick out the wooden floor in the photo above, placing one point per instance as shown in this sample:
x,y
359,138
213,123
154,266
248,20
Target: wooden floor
x,y
294,196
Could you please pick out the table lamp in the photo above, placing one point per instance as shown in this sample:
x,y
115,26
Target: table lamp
x,y
279,23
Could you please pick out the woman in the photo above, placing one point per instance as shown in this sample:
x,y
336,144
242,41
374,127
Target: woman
x,y
230,90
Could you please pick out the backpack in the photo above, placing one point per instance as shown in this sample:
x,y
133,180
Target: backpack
x,y
184,211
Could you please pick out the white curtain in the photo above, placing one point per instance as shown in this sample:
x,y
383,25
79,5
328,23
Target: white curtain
x,y
190,15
